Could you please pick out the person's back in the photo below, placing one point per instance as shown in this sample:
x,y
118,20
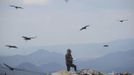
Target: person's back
x,y
69,60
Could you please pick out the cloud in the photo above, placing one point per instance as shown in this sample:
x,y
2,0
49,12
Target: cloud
x,y
36,2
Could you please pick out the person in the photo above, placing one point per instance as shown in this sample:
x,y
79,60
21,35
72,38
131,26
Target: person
x,y
69,60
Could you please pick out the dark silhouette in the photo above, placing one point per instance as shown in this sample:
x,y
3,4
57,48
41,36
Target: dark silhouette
x,y
9,67
85,27
66,0
12,69
28,38
69,60
11,46
122,20
106,45
17,7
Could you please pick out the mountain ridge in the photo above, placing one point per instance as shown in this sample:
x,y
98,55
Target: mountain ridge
x,y
48,60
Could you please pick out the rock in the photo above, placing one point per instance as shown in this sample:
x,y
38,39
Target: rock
x,y
64,72
89,72
80,72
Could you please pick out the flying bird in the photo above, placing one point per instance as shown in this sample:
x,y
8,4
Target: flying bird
x,y
16,7
106,45
18,69
28,38
85,27
66,0
11,68
11,46
122,20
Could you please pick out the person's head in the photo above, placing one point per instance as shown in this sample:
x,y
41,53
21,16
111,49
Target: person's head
x,y
69,51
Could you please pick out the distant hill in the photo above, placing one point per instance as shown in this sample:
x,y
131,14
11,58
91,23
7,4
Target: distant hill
x,y
117,57
51,67
46,68
121,61
93,50
29,67
39,61
38,58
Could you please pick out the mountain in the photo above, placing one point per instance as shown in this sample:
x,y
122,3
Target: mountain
x,y
117,57
38,58
39,61
51,67
29,67
46,68
41,57
93,50
121,61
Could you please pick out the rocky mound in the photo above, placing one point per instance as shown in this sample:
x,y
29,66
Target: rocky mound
x,y
80,72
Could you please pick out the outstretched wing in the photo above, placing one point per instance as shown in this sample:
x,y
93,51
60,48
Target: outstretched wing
x,y
15,47
12,6
84,27
81,28
16,6
10,46
8,67
24,37
20,7
33,37
87,25
106,45
11,68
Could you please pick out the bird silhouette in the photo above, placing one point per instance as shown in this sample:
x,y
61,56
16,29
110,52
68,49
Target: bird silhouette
x,y
66,0
106,45
122,20
10,68
28,38
16,7
19,69
11,46
85,27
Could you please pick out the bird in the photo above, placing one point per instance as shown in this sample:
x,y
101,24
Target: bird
x,y
11,68
28,38
66,0
11,46
85,27
106,45
122,20
16,7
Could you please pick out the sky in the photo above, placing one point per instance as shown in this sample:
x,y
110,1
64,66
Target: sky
x,y
56,22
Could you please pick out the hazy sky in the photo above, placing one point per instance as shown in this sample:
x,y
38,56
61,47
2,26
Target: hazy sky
x,y
56,22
